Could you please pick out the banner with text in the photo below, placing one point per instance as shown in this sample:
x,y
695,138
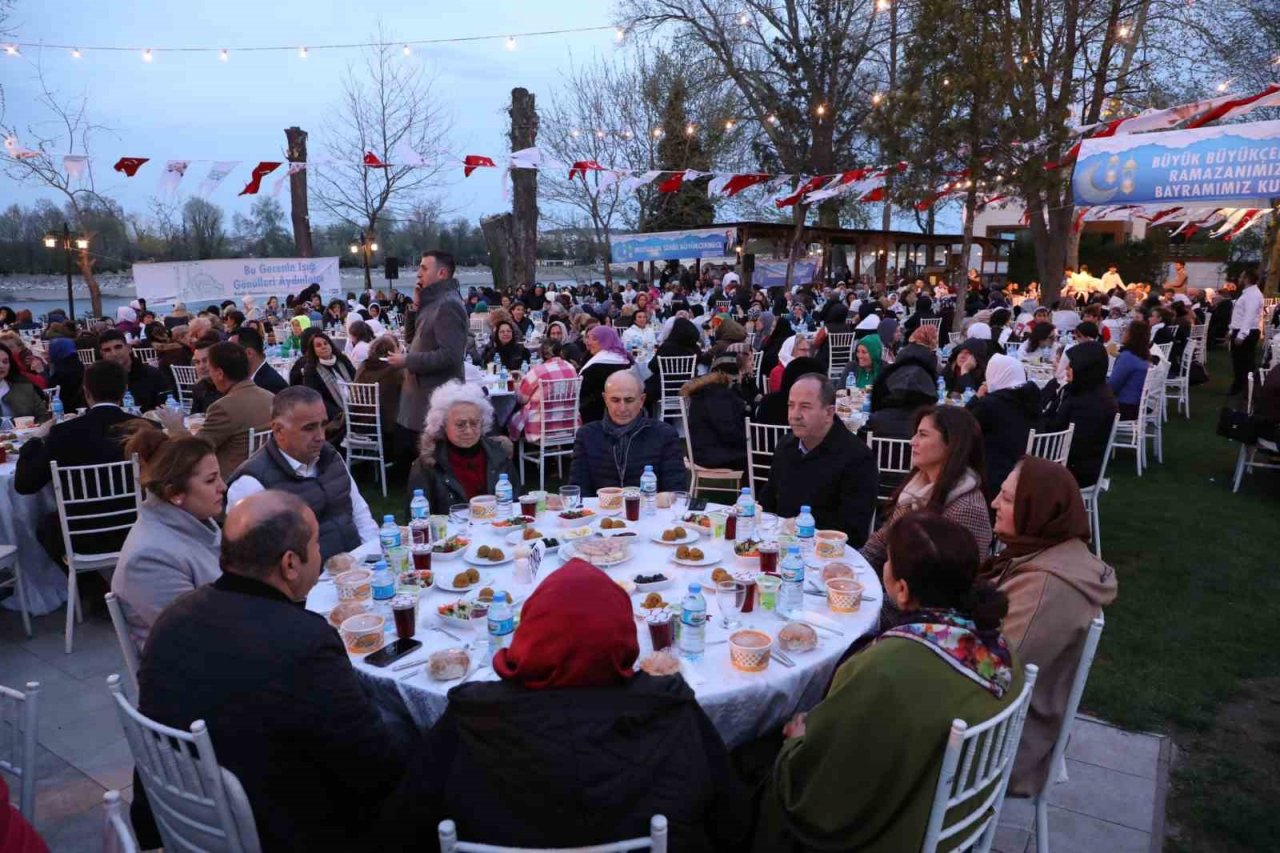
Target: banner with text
x,y
198,283
1229,163
674,245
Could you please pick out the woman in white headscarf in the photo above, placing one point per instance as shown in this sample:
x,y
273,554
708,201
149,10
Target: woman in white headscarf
x,y
1006,408
251,309
127,320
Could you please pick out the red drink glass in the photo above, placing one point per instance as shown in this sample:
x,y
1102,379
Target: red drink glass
x,y
749,597
730,527
529,505
405,608
769,559
421,558
631,499
662,631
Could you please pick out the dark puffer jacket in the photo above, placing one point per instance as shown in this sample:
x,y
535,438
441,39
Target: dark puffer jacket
x,y
717,419
435,477
607,455
572,767
1087,402
1006,417
906,385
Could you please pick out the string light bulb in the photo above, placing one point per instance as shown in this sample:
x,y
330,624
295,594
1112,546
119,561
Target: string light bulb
x,y
75,53
728,125
822,109
1223,86
1123,31
511,43
620,34
11,49
574,133
876,99
302,53
599,134
146,55
407,51
689,130
223,55
946,81
657,133
744,19
883,5
773,120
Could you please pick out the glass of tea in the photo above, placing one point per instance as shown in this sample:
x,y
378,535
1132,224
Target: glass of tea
x,y
769,558
405,610
421,553
631,500
662,631
529,505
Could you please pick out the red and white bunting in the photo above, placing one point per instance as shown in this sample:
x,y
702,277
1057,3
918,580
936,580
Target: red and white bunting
x,y
15,149
1229,108
174,171
217,174
729,185
816,182
76,166
129,166
1252,219
406,156
294,168
260,171
635,182
475,161
1233,216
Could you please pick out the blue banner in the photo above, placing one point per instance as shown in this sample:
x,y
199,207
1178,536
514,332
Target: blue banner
x,y
1211,165
674,245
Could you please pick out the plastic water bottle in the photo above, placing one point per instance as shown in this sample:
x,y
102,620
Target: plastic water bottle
x,y
791,593
501,623
693,624
746,512
524,367
57,408
419,507
505,496
129,405
649,491
805,530
389,534
419,519
384,589
942,390
851,382
967,395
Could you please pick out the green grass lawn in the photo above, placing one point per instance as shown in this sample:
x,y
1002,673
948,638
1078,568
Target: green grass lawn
x,y
1191,644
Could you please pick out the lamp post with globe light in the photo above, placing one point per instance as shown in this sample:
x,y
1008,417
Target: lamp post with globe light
x,y
365,245
69,242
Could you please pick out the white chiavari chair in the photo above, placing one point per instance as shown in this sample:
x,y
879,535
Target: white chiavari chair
x,y
19,727
1054,446
673,372
363,441
558,417
762,439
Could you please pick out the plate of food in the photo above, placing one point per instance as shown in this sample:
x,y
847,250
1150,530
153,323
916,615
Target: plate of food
x,y
651,582
615,527
465,613
694,557
654,603
678,535
464,581
573,517
700,521
489,555
514,521
418,579
524,536
576,533
747,553
449,549
601,553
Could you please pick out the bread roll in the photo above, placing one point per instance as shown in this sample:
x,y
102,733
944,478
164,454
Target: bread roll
x,y
797,637
448,664
339,563
660,663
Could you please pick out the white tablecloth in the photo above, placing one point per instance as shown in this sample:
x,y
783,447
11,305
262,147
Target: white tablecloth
x,y
741,705
46,585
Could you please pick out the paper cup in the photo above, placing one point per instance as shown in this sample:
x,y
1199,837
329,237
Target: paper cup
x,y
484,508
610,498
844,595
829,544
750,651
355,585
364,633
25,422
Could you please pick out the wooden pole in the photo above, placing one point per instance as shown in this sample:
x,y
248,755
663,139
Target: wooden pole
x,y
297,153
524,182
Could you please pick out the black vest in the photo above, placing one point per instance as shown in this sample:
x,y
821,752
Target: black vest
x,y
328,493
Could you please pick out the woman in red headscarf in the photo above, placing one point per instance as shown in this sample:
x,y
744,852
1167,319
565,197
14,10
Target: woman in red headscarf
x,y
573,747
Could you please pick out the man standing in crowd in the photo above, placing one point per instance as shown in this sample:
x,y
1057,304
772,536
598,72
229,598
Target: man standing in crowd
x,y
821,465
242,406
146,384
262,374
1246,316
297,459
1178,281
614,450
285,709
436,353
1111,280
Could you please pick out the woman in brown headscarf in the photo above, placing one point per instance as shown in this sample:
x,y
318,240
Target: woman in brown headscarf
x,y
1055,586
572,747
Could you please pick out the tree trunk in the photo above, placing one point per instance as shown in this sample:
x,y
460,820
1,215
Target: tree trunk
x,y
300,212
798,212
1271,252
1049,236
524,225
85,262
497,237
966,246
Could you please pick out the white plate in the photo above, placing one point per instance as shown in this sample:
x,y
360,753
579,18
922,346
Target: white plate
x,y
441,556
627,530
508,554
689,536
461,624
578,522
575,533
651,587
568,551
516,537
446,584
711,558
507,525
643,613
683,522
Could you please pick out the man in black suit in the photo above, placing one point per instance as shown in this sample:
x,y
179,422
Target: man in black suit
x,y
94,438
262,374
146,383
286,711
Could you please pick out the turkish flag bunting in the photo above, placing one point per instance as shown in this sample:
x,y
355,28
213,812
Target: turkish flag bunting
x,y
814,183
260,171
371,160
130,165
475,161
738,183
582,167
1268,97
876,194
672,184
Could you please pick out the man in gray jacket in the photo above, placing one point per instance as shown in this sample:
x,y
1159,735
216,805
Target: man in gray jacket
x,y
435,355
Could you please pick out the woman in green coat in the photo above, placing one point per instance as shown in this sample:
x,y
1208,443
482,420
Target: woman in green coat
x,y
866,364
859,771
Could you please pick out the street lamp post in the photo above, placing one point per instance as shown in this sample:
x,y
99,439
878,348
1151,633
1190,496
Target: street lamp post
x,y
68,242
365,245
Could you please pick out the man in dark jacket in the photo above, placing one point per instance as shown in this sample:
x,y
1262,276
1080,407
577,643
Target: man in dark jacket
x,y
262,374
822,465
94,438
285,709
717,414
1087,402
614,450
146,383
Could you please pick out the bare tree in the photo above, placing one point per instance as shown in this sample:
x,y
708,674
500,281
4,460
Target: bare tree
x,y
64,128
387,105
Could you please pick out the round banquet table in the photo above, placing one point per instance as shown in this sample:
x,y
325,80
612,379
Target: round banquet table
x,y
742,705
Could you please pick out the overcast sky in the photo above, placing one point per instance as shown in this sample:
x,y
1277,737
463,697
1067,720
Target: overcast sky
x,y
193,106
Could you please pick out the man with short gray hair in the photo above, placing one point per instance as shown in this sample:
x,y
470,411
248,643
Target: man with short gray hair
x,y
273,682
821,465
297,459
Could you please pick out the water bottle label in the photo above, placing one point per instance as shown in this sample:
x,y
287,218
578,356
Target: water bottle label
x,y
501,627
805,532
419,511
384,592
694,619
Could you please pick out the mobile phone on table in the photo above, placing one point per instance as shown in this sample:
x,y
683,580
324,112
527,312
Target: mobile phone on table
x,y
388,655
697,504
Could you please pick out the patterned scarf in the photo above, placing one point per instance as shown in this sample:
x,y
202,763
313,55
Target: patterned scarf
x,y
981,656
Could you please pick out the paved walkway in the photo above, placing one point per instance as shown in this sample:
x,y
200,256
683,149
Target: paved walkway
x,y
1114,800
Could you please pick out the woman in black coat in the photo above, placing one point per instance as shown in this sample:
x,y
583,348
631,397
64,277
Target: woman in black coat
x,y
506,347
323,368
717,416
769,355
906,385
1006,408
683,339
1086,401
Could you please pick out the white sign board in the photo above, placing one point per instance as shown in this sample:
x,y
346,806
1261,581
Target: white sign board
x,y
199,282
